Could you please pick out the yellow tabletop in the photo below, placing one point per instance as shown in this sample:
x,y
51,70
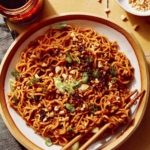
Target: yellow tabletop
x,y
140,139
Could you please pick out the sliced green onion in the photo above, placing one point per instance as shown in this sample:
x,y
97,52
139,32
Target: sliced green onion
x,y
69,107
68,58
44,89
77,59
113,80
70,129
95,130
59,85
11,84
15,74
15,99
93,108
112,71
75,83
88,59
48,142
85,77
35,80
60,26
83,87
96,74
75,146
69,88
32,96
64,86
29,83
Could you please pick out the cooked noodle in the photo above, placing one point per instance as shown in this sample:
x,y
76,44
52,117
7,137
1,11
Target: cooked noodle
x,y
71,79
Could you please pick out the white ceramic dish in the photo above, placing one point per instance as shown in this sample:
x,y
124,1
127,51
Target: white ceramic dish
x,y
126,6
128,44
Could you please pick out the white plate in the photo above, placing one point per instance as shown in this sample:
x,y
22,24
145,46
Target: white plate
x,y
125,5
127,44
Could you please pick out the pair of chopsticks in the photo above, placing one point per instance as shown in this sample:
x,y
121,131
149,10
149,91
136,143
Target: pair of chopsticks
x,y
90,141
104,128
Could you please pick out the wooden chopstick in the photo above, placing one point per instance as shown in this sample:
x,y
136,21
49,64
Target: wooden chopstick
x,y
133,92
100,132
135,99
94,137
77,138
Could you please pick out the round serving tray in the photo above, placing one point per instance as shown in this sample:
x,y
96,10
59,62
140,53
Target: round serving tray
x,y
127,43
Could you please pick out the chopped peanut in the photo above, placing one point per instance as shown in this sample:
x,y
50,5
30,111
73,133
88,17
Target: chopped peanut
x,y
140,5
107,10
135,27
57,69
123,18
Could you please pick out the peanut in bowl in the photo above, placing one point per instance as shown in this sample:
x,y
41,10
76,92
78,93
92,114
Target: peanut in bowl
x,y
138,7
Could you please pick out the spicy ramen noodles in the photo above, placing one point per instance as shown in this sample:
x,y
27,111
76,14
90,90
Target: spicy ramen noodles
x,y
69,80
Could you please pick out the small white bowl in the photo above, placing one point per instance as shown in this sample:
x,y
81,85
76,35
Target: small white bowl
x,y
126,6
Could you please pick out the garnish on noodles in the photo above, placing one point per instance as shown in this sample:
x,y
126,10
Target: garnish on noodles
x,y
69,80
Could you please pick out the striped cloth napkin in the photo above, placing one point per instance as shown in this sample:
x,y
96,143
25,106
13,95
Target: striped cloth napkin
x,y
7,141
